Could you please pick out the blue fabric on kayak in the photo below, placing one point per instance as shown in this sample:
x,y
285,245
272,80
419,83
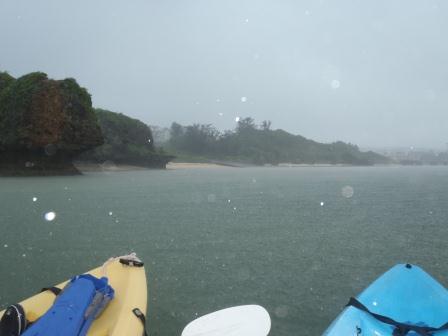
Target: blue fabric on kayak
x,y
405,294
74,310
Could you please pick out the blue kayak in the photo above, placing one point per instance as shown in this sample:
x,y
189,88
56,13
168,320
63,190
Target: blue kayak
x,y
404,301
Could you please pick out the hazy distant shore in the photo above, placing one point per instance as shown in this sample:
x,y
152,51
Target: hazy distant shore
x,y
111,167
189,165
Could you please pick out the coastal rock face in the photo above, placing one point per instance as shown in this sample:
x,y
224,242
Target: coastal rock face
x,y
126,141
44,123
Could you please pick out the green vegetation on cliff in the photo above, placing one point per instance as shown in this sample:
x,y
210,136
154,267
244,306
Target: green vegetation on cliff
x,y
36,112
249,143
126,141
44,123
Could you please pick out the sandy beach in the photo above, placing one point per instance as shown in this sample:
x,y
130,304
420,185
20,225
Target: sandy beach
x,y
188,165
107,167
111,167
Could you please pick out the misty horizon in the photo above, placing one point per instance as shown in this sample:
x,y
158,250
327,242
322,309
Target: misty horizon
x,y
372,74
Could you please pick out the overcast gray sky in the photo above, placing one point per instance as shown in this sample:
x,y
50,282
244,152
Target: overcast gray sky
x,y
374,73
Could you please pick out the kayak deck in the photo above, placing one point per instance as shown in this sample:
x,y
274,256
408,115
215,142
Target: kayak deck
x,y
118,319
406,294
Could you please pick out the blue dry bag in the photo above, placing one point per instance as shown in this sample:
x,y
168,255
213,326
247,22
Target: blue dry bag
x,y
74,310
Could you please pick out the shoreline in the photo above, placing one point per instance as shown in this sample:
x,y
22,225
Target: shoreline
x,y
111,167
191,165
106,167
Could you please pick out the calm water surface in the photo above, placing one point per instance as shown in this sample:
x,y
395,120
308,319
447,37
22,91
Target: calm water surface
x,y
291,239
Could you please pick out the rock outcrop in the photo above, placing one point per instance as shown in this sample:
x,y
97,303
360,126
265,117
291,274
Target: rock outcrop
x,y
126,141
44,124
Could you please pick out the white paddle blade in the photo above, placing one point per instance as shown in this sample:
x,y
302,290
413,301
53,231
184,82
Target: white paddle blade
x,y
250,320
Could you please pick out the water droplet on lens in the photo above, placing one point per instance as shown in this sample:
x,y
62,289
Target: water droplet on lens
x,y
347,191
243,99
110,213
34,199
243,275
50,216
281,311
50,149
335,84
322,203
5,246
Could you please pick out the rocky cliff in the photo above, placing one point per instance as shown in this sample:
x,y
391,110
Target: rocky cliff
x,y
44,124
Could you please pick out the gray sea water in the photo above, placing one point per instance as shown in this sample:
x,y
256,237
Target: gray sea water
x,y
299,241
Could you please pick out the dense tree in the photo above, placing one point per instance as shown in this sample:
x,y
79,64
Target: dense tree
x,y
249,144
44,123
127,141
36,112
266,125
246,124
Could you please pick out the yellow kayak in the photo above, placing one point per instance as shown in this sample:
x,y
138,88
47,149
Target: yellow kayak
x,y
118,319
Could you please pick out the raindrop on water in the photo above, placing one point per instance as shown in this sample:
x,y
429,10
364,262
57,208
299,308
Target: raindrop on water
x,y
50,216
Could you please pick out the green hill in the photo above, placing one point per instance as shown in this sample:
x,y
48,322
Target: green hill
x,y
44,123
261,145
126,141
